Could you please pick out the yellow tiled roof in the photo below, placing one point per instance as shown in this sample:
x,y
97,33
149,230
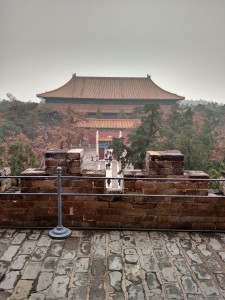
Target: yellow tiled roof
x,y
86,87
109,123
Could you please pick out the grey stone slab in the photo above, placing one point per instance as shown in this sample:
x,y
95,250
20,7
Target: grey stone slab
x,y
130,255
50,264
143,235
59,287
65,267
215,298
154,234
173,290
213,265
167,271
19,262
10,253
152,296
3,245
77,293
133,273
173,248
152,281
200,272
215,244
193,255
114,235
144,247
99,251
169,237
221,280
196,237
87,235
22,290
195,297
85,248
181,266
98,268
31,271
128,241
4,295
115,263
18,239
39,254
76,232
156,243
97,290
221,236
55,249
186,244
189,284
28,247
44,241
10,280
209,288
34,236
183,235
72,243
160,254
117,296
44,281
204,250
148,263
68,254
136,291
79,279
37,296
82,264
100,239
3,268
10,233
222,255
115,280
115,246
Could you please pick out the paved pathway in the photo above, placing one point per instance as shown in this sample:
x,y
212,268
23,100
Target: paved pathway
x,y
112,265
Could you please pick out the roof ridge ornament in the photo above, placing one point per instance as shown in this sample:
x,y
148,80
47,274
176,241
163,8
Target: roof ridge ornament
x,y
148,76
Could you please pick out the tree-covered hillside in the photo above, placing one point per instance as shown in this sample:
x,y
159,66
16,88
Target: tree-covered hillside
x,y
28,129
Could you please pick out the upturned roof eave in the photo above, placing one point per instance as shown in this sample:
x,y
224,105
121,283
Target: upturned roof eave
x,y
116,99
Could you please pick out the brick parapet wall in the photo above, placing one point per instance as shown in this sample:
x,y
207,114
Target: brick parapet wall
x,y
115,211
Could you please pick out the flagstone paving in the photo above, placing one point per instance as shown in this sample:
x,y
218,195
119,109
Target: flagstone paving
x,y
112,265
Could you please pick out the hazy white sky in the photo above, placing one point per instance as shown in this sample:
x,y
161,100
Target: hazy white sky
x,y
181,43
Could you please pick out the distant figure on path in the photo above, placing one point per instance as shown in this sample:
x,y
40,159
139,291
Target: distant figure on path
x,y
108,181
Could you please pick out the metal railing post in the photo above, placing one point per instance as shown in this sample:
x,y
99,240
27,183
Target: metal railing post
x,y
59,232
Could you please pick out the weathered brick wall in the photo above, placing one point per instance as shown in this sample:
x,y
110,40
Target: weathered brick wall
x,y
110,211
114,211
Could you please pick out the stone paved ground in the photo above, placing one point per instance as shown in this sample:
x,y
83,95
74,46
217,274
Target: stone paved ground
x,y
112,265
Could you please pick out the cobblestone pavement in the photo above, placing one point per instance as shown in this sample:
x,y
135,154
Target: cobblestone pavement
x,y
116,265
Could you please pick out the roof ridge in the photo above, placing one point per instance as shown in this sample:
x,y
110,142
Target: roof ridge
x,y
111,77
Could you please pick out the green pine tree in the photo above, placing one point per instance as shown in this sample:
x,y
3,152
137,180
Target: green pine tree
x,y
21,157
